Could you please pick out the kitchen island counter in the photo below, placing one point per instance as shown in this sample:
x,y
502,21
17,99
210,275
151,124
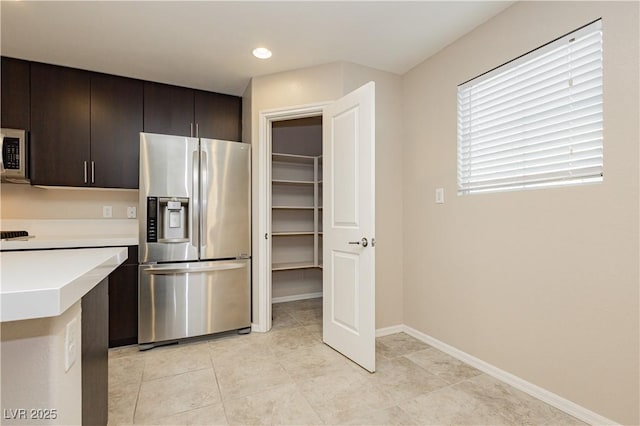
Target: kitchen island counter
x,y
39,284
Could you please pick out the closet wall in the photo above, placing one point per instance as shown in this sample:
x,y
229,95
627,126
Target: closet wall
x,y
296,209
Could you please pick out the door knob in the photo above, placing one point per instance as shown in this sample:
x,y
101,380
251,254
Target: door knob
x,y
364,242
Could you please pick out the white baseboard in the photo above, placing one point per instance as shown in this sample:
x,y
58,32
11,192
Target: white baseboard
x,y
544,395
256,328
295,297
389,330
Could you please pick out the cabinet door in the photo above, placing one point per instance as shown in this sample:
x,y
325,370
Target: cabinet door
x,y
123,302
123,306
59,125
168,109
15,93
218,116
116,123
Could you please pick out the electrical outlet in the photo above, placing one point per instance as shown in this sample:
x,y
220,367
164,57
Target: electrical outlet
x,y
107,211
70,344
131,212
439,195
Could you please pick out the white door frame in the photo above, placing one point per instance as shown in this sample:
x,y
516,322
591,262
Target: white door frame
x,y
262,262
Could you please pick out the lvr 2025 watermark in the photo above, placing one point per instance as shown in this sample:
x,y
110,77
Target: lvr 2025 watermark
x,y
29,413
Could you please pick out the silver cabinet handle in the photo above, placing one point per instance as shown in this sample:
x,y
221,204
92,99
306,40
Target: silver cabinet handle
x,y
364,242
85,172
93,172
191,129
197,130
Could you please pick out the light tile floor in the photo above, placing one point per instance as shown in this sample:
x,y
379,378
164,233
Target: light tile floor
x,y
288,376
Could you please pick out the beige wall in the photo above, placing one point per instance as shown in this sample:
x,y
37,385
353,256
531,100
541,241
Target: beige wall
x,y
326,83
389,276
544,283
28,202
247,100
33,368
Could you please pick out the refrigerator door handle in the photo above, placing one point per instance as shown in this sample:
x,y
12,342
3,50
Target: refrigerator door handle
x,y
166,270
204,176
195,212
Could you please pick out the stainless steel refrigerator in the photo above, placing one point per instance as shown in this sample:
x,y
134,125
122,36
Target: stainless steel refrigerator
x,y
195,244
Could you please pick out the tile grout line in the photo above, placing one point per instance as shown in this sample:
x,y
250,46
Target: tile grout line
x,y
297,387
316,412
215,374
172,376
135,406
436,375
177,374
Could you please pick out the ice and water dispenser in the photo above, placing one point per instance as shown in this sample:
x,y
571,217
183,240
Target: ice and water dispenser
x,y
167,220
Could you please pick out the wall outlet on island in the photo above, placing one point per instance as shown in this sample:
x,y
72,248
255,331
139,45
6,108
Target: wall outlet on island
x,y
107,211
131,212
70,344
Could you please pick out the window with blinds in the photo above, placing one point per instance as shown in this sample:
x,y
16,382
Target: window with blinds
x,y
535,121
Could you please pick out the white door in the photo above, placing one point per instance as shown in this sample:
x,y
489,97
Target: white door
x,y
349,225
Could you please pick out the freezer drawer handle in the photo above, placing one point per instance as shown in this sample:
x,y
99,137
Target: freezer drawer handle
x,y
173,270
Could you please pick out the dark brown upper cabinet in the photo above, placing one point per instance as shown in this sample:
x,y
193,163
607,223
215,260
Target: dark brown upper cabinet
x,y
174,110
116,123
15,93
60,126
168,109
85,128
217,116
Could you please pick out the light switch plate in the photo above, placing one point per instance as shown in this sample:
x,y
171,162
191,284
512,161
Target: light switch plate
x,y
131,212
440,195
107,211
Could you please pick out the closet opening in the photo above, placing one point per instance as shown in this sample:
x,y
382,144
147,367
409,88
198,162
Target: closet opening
x,y
296,211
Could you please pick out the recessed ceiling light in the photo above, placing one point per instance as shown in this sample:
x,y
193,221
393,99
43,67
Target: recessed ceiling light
x,y
262,53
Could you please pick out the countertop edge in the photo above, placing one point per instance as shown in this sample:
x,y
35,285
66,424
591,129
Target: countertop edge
x,y
67,243
49,302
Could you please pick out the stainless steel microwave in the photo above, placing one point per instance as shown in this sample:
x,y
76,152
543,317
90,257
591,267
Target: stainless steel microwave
x,y
13,167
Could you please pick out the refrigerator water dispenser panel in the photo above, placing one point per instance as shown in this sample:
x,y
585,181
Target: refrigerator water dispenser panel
x,y
167,219
174,217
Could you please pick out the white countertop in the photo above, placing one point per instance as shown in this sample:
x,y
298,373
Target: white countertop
x,y
38,284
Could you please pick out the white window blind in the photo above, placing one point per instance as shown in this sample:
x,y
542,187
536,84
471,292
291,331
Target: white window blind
x,y
535,121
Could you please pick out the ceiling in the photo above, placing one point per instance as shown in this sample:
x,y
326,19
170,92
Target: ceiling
x,y
208,44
